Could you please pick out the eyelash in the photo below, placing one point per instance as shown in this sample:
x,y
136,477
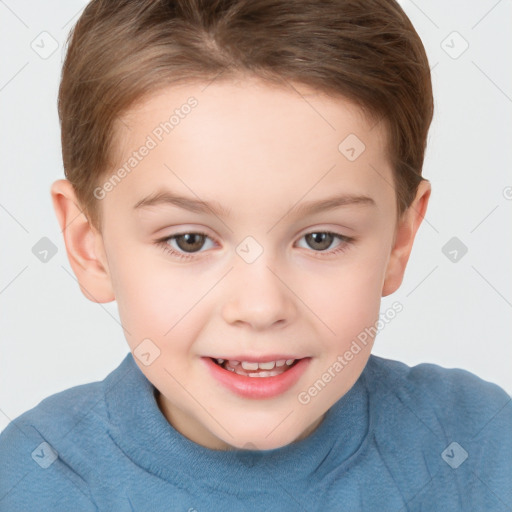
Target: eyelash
x,y
163,243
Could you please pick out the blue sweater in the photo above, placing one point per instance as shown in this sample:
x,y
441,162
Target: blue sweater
x,y
420,438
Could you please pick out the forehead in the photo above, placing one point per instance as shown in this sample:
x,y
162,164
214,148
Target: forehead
x,y
249,138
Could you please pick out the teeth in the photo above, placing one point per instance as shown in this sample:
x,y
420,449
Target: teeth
x,y
265,374
249,366
270,368
246,365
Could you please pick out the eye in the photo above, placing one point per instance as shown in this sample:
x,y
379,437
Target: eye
x,y
322,240
189,243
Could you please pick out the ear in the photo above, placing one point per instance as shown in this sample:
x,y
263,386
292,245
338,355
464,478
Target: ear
x,y
84,244
406,229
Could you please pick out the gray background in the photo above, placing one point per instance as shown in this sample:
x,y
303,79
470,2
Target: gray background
x,y
455,313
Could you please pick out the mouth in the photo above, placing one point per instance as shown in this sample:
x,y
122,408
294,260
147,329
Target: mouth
x,y
257,380
256,369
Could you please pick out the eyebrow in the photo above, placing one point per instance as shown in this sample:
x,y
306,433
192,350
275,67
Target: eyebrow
x,y
166,197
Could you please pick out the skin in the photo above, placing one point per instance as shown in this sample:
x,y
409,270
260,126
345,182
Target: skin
x,y
259,150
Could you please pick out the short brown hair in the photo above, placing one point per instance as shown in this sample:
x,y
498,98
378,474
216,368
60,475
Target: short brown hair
x,y
119,51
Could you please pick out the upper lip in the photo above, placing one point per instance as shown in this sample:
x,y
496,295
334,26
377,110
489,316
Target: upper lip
x,y
257,359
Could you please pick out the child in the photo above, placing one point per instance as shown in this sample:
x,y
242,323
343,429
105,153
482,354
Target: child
x,y
284,142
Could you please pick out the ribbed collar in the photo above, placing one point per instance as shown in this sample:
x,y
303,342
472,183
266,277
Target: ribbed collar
x,y
142,432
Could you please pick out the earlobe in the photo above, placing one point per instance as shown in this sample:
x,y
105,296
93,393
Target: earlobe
x,y
405,233
84,245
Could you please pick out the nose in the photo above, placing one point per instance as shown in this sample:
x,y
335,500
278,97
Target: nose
x,y
258,296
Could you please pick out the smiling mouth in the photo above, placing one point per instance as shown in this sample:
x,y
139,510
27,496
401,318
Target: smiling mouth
x,y
252,369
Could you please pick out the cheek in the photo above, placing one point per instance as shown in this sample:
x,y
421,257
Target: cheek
x,y
150,298
348,299
162,303
348,305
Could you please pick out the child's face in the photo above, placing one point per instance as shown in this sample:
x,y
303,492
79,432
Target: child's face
x,y
256,286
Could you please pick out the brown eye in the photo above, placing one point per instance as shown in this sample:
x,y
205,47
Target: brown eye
x,y
319,241
190,242
185,246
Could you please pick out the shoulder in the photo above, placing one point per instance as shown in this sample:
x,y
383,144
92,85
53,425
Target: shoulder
x,y
43,452
61,411
446,433
446,400
457,396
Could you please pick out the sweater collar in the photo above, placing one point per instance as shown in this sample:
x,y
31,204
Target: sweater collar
x,y
142,432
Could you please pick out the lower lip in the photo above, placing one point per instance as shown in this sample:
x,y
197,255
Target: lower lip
x,y
258,387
